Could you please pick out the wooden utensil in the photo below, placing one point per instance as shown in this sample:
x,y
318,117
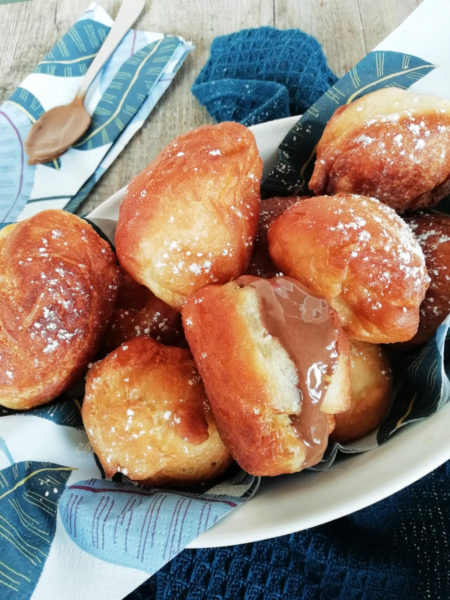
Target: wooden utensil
x,y
60,127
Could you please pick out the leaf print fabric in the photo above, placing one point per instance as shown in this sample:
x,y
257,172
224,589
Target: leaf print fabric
x,y
119,100
29,494
140,527
126,92
75,51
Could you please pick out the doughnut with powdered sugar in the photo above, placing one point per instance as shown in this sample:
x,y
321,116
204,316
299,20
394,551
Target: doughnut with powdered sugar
x,y
432,230
391,144
147,416
190,217
59,282
361,256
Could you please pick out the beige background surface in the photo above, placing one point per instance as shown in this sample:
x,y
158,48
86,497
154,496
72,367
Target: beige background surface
x,y
347,30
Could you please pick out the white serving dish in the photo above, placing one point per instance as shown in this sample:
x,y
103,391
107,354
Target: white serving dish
x,y
292,503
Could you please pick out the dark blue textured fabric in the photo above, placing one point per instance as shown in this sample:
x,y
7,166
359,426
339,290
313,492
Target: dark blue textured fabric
x,y
395,549
256,75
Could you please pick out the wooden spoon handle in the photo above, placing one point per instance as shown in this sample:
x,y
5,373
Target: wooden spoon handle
x,y
127,15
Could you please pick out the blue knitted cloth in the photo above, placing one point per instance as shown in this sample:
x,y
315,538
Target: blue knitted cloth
x,y
257,75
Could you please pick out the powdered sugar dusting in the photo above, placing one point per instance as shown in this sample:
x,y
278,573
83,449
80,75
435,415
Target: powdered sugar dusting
x,y
52,305
378,241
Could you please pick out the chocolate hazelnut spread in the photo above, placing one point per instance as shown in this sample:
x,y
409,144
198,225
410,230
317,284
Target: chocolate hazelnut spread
x,y
304,325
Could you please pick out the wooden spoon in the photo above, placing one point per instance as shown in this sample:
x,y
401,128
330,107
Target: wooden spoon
x,y
60,127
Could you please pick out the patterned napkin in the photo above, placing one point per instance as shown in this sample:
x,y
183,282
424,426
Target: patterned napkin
x,y
119,100
53,493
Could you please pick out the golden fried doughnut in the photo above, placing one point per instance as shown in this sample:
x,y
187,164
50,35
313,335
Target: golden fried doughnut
x,y
391,144
274,361
361,256
190,217
432,230
146,416
371,392
59,282
261,264
139,312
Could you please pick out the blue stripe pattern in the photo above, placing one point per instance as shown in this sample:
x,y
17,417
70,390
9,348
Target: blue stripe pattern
x,y
138,527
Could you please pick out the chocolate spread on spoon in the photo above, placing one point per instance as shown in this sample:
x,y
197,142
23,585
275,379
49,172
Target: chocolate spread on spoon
x,y
56,131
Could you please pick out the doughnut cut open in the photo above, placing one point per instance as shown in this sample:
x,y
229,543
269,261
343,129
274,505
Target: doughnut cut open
x,y
268,352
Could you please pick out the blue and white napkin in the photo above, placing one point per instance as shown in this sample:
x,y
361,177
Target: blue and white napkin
x,y
67,532
119,100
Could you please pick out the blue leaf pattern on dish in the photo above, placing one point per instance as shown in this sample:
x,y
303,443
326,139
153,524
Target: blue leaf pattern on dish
x,y
127,91
29,493
63,411
422,382
72,55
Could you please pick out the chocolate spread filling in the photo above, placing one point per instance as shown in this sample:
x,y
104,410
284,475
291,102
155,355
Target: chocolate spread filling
x,y
302,323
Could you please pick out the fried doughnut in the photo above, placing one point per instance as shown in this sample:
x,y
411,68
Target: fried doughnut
x,y
59,282
190,217
391,144
139,312
274,361
432,230
371,392
261,265
361,256
146,416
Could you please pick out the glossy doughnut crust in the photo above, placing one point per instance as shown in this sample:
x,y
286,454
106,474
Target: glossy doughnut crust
x,y
271,356
432,230
361,256
139,312
59,282
146,416
371,392
190,217
391,144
